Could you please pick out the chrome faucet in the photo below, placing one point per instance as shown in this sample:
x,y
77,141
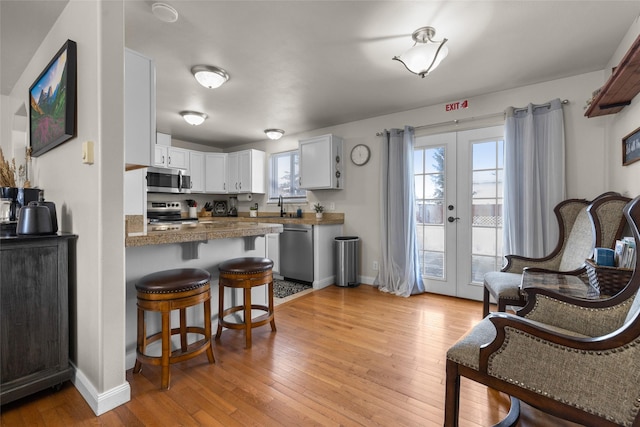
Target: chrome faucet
x,y
281,205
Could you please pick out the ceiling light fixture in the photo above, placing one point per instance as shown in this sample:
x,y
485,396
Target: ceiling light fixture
x,y
164,12
274,133
193,117
426,53
209,76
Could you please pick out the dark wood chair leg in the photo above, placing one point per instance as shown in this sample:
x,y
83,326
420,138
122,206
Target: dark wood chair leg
x,y
512,417
220,308
207,330
166,349
452,395
271,306
247,317
142,340
183,329
485,303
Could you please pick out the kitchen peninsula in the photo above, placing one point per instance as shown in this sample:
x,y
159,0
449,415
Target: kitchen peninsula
x,y
202,231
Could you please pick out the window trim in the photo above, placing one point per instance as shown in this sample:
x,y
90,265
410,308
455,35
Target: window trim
x,y
272,196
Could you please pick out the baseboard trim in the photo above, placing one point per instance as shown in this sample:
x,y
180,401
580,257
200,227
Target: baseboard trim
x,y
100,402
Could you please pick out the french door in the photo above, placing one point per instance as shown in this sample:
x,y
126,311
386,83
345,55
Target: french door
x,y
458,185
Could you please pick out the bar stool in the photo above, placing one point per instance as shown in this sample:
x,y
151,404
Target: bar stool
x,y
245,274
163,292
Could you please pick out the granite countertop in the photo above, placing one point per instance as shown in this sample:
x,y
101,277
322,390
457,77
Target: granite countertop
x,y
206,229
274,218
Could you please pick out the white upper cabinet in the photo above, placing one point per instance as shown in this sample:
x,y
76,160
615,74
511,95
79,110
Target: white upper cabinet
x,y
160,156
215,173
245,171
196,171
139,109
321,163
178,158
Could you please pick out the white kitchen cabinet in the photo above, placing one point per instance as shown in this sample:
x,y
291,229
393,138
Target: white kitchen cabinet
x,y
178,158
215,176
233,172
321,163
139,109
245,171
272,250
196,171
160,156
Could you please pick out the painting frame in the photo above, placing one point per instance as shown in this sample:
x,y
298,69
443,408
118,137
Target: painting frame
x,y
631,148
52,102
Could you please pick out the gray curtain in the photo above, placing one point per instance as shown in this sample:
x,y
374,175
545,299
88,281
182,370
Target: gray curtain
x,y
534,178
399,272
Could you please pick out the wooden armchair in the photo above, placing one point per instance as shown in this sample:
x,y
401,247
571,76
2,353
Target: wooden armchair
x,y
574,359
583,226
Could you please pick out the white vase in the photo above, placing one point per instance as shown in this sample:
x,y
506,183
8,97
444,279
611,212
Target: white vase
x,y
318,215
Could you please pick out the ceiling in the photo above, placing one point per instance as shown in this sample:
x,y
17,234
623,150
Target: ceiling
x,y
304,65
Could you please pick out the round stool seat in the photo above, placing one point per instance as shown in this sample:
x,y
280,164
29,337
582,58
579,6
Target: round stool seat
x,y
246,265
245,273
165,291
171,281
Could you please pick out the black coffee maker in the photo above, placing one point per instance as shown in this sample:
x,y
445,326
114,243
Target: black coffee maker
x,y
18,198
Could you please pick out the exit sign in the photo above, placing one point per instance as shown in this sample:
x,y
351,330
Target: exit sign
x,y
456,105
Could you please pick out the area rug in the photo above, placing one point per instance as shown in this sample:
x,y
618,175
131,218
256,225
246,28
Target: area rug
x,y
285,288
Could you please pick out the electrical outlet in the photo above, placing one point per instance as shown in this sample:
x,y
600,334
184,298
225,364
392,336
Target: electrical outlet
x,y
332,206
375,265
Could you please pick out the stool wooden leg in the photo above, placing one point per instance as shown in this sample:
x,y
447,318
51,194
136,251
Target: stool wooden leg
x,y
271,306
142,340
247,317
183,329
166,348
220,308
207,329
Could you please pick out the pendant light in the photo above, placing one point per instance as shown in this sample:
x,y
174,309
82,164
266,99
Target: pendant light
x,y
426,54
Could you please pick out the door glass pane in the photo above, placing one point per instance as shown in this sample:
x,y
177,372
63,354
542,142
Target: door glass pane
x,y
486,223
429,195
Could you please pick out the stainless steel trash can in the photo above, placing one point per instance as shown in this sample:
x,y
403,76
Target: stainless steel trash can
x,y
346,261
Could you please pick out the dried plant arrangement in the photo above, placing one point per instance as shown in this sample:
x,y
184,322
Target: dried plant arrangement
x,y
9,173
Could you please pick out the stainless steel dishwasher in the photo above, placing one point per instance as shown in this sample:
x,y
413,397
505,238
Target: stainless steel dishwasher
x,y
296,252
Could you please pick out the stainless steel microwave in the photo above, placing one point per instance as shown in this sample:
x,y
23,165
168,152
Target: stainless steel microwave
x,y
163,180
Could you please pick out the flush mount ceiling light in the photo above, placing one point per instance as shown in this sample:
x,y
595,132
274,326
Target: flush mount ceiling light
x,y
274,133
164,12
193,117
426,54
209,76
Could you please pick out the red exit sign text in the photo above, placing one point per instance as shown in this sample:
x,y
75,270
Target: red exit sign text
x,y
457,105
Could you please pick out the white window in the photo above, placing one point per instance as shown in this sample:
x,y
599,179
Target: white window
x,y
284,177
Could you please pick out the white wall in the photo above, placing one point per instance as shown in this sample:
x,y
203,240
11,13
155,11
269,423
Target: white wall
x,y
625,179
89,198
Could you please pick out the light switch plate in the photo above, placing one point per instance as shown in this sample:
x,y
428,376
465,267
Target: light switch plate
x,y
87,152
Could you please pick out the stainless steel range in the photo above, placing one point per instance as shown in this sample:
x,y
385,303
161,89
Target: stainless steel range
x,y
164,216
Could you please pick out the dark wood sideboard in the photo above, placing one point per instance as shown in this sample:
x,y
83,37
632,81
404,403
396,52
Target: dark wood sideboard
x,y
34,313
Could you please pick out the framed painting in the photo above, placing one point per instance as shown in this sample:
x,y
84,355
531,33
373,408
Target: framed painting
x,y
631,148
52,100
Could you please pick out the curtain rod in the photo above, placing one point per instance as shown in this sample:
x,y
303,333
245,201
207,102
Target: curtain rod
x,y
547,105
468,119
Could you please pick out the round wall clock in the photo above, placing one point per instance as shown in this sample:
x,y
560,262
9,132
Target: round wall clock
x,y
360,154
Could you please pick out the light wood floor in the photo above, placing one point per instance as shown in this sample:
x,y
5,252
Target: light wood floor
x,y
340,356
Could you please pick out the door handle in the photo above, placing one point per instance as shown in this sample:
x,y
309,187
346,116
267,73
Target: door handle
x,y
452,219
